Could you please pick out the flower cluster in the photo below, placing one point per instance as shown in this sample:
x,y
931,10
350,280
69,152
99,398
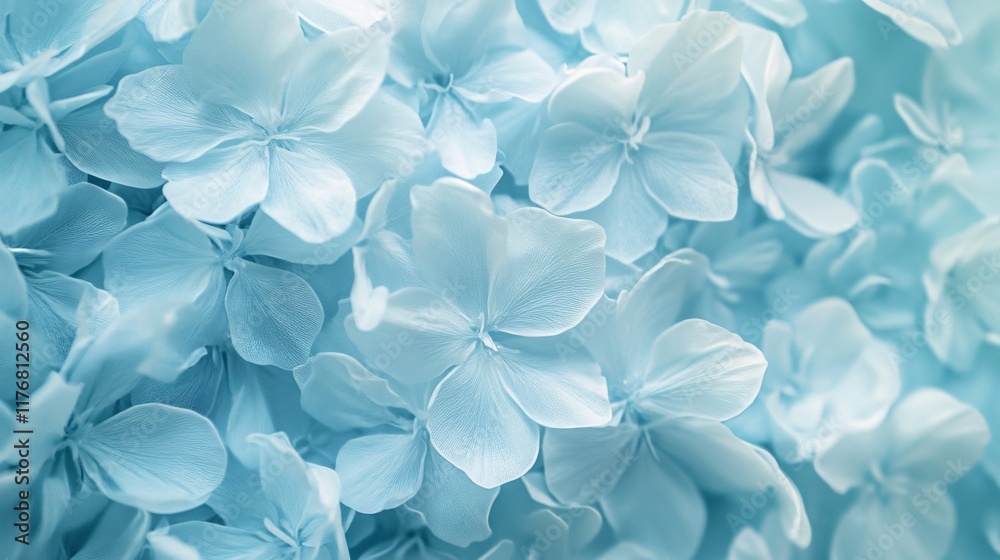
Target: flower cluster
x,y
499,279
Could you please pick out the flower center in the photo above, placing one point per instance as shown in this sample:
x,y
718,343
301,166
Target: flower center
x,y
440,82
265,135
483,333
283,535
633,134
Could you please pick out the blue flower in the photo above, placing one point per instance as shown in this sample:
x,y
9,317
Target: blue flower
x,y
47,90
393,463
630,147
900,473
672,384
238,130
38,262
456,58
151,456
827,375
963,292
383,255
273,315
790,115
279,507
496,290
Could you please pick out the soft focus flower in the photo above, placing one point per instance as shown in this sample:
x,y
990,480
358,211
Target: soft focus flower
x,y
672,384
902,471
295,513
827,375
273,315
396,463
151,456
789,116
963,292
629,147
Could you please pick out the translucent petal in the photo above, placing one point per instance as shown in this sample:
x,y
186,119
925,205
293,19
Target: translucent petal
x,y
471,405
381,471
163,115
155,457
552,275
274,315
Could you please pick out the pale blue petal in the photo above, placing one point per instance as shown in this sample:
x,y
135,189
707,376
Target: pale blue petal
x,y
699,369
266,237
554,391
688,175
155,457
929,21
220,185
380,143
195,389
656,302
830,87
568,17
582,465
458,34
32,177
381,471
650,489
331,15
169,20
456,509
521,74
334,78
308,196
419,337
15,298
471,404
766,68
458,241
284,477
94,145
165,256
707,451
362,399
163,115
119,533
931,527
86,218
552,275
274,315
810,207
615,28
931,432
575,168
213,542
632,220
54,299
228,63
677,78
466,143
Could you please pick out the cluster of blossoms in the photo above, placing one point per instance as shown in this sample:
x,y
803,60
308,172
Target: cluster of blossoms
x,y
500,279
